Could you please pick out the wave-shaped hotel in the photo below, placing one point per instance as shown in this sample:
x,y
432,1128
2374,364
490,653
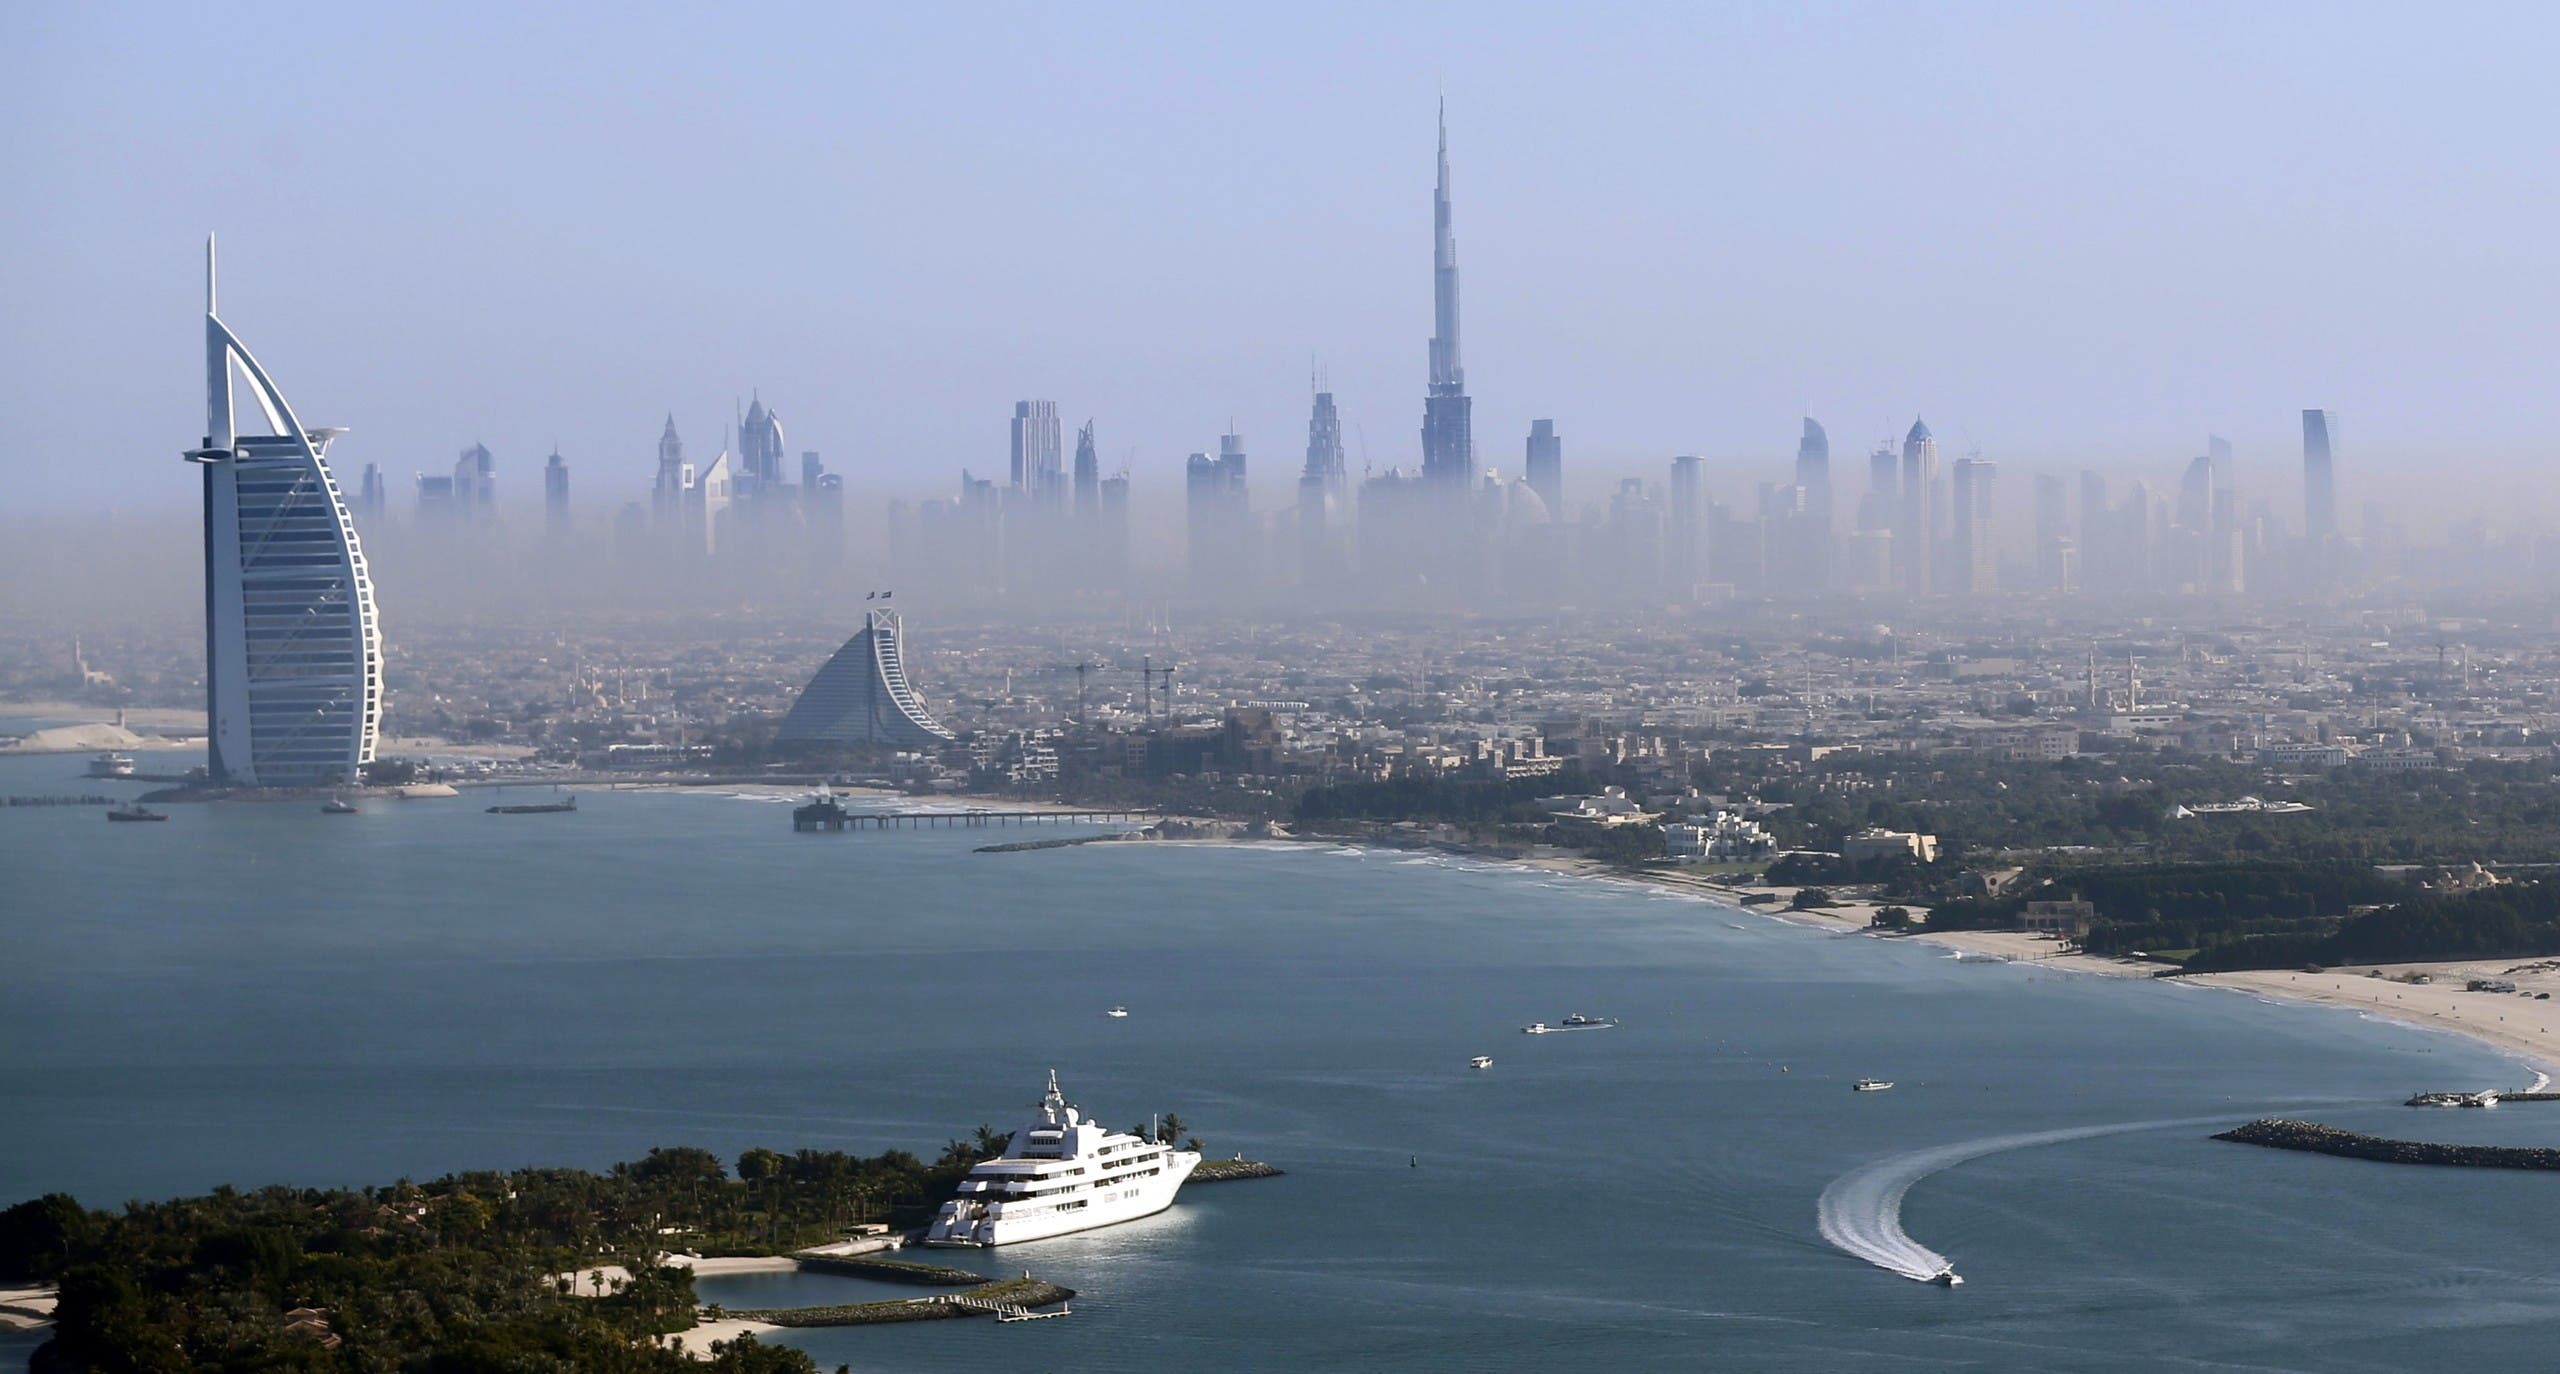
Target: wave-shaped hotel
x,y
293,651
862,696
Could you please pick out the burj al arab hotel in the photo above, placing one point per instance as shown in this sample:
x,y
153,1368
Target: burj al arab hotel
x,y
293,653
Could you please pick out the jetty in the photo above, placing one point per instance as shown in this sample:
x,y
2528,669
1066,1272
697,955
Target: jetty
x,y
2489,1097
828,814
1003,1299
2278,1133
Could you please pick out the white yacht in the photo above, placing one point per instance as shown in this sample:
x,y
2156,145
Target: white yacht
x,y
1059,1174
1118,1013
1872,1085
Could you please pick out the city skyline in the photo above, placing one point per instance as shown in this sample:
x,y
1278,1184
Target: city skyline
x,y
2027,351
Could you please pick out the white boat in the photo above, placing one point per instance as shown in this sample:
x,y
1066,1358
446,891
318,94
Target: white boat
x,y
1537,1028
111,765
1481,1061
1060,1174
1118,1013
1871,1085
1947,1277
1577,1021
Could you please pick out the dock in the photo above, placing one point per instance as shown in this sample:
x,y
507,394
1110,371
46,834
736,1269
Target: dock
x,y
828,814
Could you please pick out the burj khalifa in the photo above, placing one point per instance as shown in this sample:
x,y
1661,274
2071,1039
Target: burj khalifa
x,y
1448,429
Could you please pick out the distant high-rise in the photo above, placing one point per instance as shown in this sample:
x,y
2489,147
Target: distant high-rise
x,y
555,494
370,497
760,448
293,653
1038,469
1448,426
1977,557
475,484
2057,554
1324,496
1220,520
1916,539
1813,474
2195,494
1684,549
1545,468
2319,477
1088,474
666,494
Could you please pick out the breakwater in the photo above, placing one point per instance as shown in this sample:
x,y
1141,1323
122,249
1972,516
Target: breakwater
x,y
2277,1133
2478,1099
62,801
891,1270
986,1299
1231,1170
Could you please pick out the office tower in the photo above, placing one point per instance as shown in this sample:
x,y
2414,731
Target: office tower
x,y
1881,508
1220,520
1684,548
371,496
1037,469
822,506
1916,538
1545,467
666,494
707,496
475,485
555,494
861,695
2195,494
1324,496
1088,474
1813,473
1977,555
2057,555
1448,427
758,468
2319,477
293,652
1635,542
1112,559
2224,559
436,509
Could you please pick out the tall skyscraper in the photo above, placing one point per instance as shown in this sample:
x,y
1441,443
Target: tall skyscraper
x,y
1448,426
1813,474
1037,469
1324,496
2057,555
2319,477
555,494
1545,469
1977,557
1219,520
1916,540
758,467
1088,475
475,485
293,653
1684,550
371,496
666,494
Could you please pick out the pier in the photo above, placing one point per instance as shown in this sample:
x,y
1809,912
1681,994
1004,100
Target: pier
x,y
828,814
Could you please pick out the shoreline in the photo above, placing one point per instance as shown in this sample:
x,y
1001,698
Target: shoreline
x,y
2516,1027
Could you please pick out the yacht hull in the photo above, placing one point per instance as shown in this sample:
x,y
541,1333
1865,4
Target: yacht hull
x,y
965,1223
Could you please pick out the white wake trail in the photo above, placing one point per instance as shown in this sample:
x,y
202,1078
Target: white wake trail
x,y
1861,1212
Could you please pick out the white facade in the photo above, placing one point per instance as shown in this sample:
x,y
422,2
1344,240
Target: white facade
x,y
293,649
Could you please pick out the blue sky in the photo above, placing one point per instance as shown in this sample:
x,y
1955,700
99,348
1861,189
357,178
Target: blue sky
x,y
2069,234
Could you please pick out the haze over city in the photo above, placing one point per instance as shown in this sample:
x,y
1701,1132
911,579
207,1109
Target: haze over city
x,y
2070,238
1606,644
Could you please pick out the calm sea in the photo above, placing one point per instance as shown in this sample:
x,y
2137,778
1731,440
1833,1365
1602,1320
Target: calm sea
x,y
249,994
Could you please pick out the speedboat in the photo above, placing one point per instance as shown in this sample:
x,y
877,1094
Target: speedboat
x,y
1871,1085
1578,1021
1947,1277
1537,1028
137,812
1481,1061
1118,1013
337,806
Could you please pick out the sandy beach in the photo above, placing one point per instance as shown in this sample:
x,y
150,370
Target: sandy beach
x,y
2517,1022
25,1309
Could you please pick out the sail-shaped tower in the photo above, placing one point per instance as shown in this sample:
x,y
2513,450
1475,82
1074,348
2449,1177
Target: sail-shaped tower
x,y
293,652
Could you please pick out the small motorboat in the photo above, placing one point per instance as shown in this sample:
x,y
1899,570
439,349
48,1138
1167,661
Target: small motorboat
x,y
1947,1277
337,806
1871,1085
1578,1021
1481,1061
1537,1028
136,812
1118,1013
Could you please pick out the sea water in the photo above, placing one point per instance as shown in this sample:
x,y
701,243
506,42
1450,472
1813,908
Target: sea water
x,y
261,993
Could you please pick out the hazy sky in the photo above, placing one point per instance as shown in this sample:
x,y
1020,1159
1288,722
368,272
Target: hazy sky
x,y
2066,233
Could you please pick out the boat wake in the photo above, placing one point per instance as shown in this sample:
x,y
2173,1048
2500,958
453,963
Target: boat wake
x,y
1861,1212
2541,1081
